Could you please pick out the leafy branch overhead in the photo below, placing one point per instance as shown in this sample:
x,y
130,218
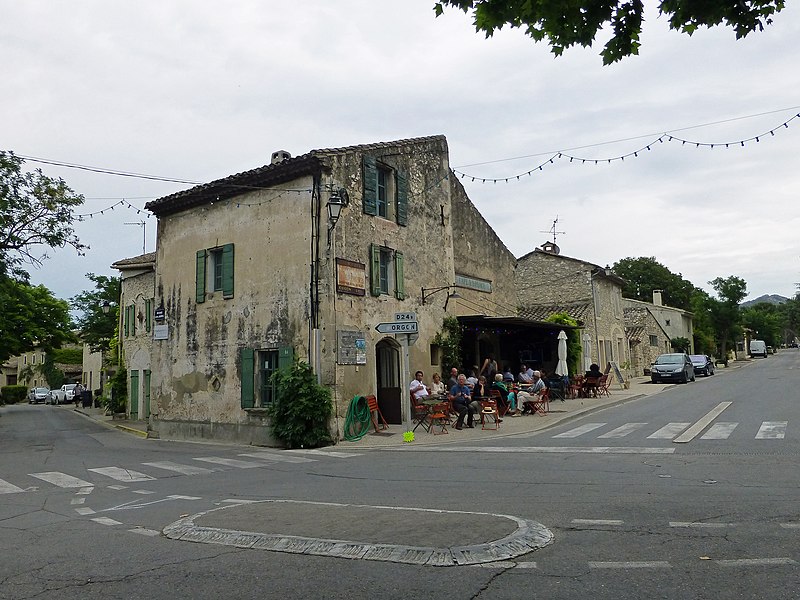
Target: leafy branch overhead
x,y
566,23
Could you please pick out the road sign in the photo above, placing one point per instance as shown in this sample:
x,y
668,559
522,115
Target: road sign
x,y
405,316
401,327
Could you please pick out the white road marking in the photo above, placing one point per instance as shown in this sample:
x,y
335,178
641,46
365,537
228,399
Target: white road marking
x,y
700,524
85,491
719,431
596,522
526,565
133,506
84,511
8,488
118,487
77,501
230,462
239,501
106,521
790,525
122,474
547,449
333,454
622,430
668,431
142,492
573,433
143,531
61,480
500,564
772,430
705,421
277,457
178,468
755,562
634,564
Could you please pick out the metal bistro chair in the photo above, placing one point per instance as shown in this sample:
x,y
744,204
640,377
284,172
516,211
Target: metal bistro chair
x,y
376,414
439,416
489,411
419,414
502,407
603,385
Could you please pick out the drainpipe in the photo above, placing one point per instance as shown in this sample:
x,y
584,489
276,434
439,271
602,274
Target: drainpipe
x,y
594,310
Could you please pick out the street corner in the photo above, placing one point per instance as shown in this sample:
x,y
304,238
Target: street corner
x,y
420,536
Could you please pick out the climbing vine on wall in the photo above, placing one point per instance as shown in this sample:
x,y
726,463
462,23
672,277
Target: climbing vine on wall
x,y
574,348
448,339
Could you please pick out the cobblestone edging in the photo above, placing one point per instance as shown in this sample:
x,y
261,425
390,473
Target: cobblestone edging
x,y
529,536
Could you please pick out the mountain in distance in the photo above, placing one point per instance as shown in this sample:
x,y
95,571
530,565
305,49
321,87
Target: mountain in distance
x,y
768,298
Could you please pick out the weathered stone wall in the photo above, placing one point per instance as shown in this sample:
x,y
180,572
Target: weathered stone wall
x,y
138,287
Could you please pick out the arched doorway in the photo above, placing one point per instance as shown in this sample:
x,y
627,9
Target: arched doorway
x,y
387,365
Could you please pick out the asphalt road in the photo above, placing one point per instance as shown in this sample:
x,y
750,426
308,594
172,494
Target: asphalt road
x,y
633,512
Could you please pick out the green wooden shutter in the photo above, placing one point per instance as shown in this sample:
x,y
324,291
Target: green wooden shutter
x,y
285,357
402,199
248,377
127,321
132,308
146,394
133,397
148,315
370,195
200,294
375,270
227,271
399,284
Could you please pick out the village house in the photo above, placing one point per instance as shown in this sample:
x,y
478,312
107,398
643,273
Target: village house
x,y
303,258
646,337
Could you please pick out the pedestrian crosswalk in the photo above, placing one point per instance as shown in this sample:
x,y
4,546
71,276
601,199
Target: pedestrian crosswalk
x,y
767,430
156,469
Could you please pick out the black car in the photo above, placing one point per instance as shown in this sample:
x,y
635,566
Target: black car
x,y
703,365
672,367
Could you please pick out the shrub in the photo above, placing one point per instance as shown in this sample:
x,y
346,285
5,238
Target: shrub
x,y
118,399
11,394
302,409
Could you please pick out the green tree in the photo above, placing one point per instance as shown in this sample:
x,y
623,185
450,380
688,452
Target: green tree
x,y
574,346
679,344
98,328
35,211
645,274
566,23
766,320
31,317
705,340
725,313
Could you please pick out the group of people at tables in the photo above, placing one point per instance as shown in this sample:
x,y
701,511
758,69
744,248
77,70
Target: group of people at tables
x,y
516,396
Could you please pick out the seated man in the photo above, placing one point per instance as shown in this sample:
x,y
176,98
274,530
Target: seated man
x,y
533,394
525,374
453,378
461,397
419,389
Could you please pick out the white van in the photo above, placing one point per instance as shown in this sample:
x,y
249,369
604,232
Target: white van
x,y
758,348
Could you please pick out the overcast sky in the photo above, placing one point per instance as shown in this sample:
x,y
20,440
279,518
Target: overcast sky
x,y
201,90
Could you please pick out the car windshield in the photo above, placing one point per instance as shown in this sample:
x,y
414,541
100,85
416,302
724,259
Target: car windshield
x,y
670,359
42,390
698,358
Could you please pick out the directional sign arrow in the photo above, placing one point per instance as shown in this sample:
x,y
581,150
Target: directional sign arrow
x,y
402,327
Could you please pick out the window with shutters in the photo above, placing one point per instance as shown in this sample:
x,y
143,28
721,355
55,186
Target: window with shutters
x,y
386,272
258,366
385,191
214,272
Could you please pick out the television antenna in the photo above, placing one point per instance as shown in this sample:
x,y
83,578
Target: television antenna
x,y
554,230
143,225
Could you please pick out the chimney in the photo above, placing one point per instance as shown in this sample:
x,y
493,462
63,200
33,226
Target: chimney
x,y
279,156
657,298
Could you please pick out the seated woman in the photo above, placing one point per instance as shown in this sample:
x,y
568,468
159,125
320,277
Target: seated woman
x,y
481,389
437,387
500,386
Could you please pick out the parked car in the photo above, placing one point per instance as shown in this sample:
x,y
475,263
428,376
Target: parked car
x,y
758,348
672,367
64,395
703,365
39,394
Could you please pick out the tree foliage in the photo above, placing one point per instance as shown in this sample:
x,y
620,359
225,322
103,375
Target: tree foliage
x,y
36,211
449,341
767,321
574,346
566,23
645,274
725,313
302,409
31,317
98,328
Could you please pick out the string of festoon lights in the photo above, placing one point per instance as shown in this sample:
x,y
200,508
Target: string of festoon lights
x,y
664,137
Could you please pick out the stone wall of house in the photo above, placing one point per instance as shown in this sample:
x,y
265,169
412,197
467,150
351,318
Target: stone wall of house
x,y
650,339
196,372
138,288
676,322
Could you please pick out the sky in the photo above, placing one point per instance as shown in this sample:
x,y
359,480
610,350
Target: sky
x,y
199,90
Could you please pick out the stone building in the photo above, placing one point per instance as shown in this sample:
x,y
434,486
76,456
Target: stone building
x,y
676,322
549,282
304,257
137,329
646,337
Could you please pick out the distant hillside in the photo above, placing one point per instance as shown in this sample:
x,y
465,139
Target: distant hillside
x,y
768,298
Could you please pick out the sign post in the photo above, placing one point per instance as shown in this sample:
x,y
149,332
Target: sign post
x,y
404,323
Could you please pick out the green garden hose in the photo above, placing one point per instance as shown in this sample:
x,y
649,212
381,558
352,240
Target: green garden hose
x,y
357,420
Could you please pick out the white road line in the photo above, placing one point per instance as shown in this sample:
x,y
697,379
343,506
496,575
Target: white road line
x,y
230,462
634,564
61,480
755,562
700,524
178,468
547,449
143,531
622,430
668,431
596,522
277,457
239,501
790,525
118,487
500,564
84,511
142,492
573,433
8,488
122,474
332,454
705,421
719,431
77,501
106,521
85,491
526,565
772,430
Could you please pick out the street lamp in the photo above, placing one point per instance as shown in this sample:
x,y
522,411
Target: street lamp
x,y
427,293
336,202
106,306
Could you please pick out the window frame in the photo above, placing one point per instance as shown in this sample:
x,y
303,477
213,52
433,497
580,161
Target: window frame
x,y
212,259
385,191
